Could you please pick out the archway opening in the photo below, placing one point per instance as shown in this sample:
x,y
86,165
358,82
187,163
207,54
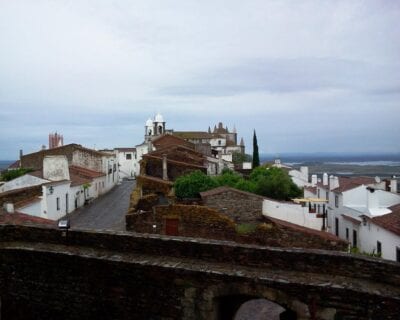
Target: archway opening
x,y
248,307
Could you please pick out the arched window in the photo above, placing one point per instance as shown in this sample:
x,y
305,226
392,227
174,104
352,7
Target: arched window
x,y
160,129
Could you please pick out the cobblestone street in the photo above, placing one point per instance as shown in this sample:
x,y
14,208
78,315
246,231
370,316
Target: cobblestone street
x,y
106,212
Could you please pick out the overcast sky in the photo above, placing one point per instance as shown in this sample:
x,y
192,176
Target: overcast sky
x,y
309,76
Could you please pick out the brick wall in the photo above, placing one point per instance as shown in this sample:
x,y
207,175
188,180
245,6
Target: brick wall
x,y
239,206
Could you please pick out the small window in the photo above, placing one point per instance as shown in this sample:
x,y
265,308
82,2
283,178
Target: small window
x,y
397,254
128,156
355,238
327,195
347,233
318,193
337,227
58,203
219,142
336,201
378,247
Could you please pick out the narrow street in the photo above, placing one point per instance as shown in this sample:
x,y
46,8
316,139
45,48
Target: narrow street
x,y
106,212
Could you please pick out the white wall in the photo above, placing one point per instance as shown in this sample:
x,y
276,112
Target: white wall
x,y
127,167
22,182
55,168
371,233
140,151
300,178
293,213
49,203
33,209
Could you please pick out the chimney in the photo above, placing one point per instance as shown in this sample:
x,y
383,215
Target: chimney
x,y
164,167
304,172
393,185
333,182
373,201
314,180
325,179
220,162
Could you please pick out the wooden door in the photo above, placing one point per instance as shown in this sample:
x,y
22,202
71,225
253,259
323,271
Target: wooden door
x,y
172,227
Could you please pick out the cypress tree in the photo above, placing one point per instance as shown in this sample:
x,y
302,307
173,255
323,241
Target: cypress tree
x,y
256,157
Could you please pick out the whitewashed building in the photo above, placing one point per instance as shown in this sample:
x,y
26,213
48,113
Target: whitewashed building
x,y
63,185
358,210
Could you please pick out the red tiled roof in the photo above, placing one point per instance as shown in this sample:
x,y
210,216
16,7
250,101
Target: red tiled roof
x,y
348,183
21,218
223,189
311,189
193,134
171,140
390,221
322,234
85,172
14,165
26,202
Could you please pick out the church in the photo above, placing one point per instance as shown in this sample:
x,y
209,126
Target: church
x,y
220,142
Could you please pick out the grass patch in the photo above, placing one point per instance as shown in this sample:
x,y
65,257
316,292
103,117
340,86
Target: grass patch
x,y
245,228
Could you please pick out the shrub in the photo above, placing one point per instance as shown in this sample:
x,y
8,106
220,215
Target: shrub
x,y
15,173
190,186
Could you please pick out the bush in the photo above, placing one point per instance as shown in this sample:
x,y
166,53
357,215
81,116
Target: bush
x,y
15,173
190,186
228,178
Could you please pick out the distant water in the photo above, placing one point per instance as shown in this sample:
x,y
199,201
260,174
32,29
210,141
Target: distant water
x,y
368,163
4,164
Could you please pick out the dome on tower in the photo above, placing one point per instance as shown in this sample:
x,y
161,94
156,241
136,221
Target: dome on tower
x,y
158,118
149,123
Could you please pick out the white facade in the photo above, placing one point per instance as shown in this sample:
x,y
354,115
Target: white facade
x,y
351,213
292,212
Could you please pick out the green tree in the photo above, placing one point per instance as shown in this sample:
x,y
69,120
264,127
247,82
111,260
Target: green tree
x,y
256,156
238,157
190,185
276,184
15,173
228,178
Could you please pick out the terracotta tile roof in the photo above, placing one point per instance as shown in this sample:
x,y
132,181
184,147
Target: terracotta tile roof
x,y
223,189
348,183
155,179
85,172
311,189
14,165
77,180
322,234
171,140
26,202
181,163
193,134
390,221
21,218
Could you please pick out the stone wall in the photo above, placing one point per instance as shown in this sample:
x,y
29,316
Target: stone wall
x,y
238,205
203,222
125,276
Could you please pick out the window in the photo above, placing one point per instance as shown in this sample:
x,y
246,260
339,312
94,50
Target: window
x,y
128,156
336,201
378,247
337,227
355,238
397,254
58,203
219,142
347,233
318,193
327,195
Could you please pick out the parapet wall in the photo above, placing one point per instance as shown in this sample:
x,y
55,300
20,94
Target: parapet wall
x,y
301,260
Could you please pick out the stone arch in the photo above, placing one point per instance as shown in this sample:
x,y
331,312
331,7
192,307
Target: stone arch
x,y
214,297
